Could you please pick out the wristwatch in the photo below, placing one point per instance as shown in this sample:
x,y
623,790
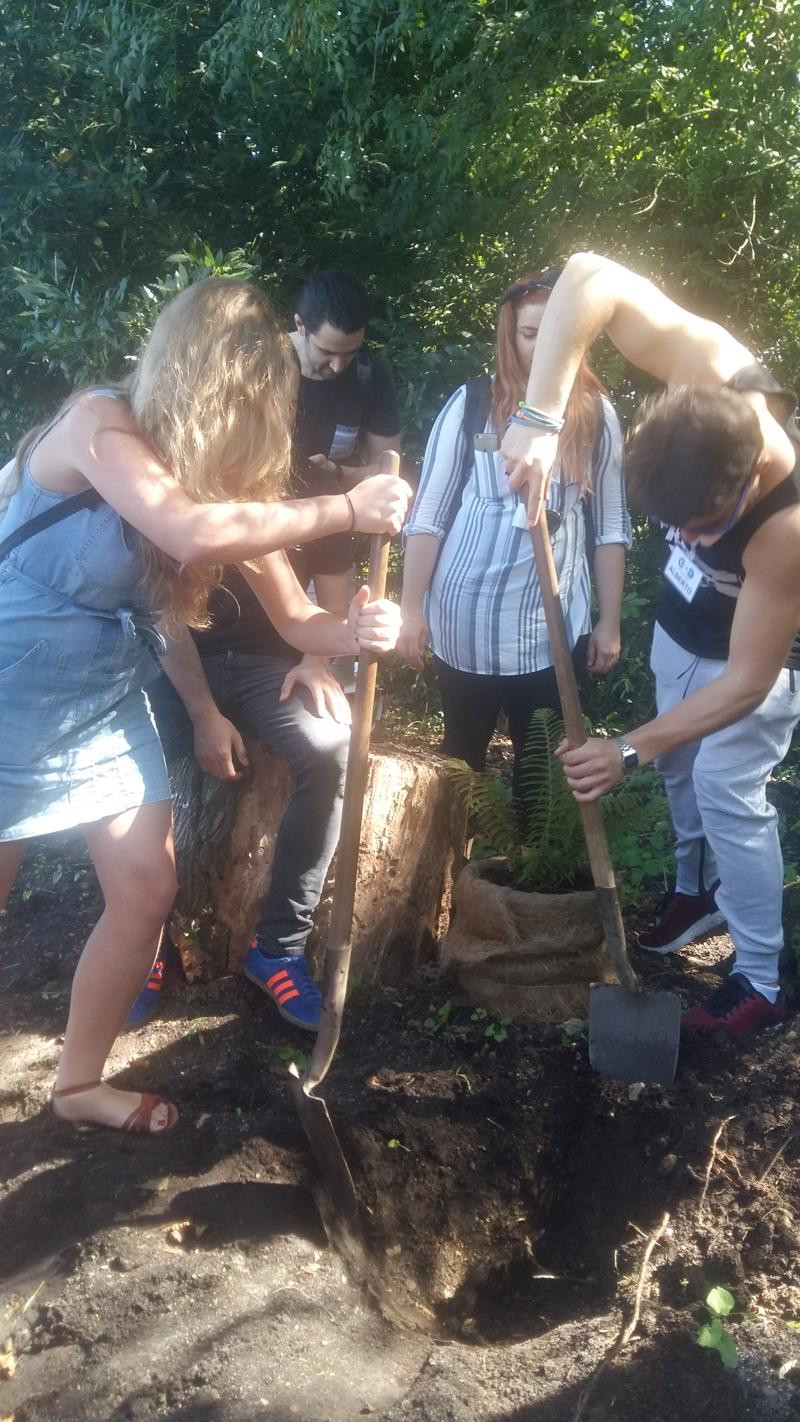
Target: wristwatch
x,y
630,759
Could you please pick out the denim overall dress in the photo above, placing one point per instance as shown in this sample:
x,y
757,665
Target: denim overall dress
x,y
77,644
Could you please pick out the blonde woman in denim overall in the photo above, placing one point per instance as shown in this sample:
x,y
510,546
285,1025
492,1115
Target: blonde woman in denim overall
x,y
188,459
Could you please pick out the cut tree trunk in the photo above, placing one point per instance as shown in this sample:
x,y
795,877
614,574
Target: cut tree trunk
x,y
412,839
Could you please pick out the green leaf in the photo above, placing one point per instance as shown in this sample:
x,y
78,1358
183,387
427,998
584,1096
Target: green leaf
x,y
720,1301
727,1350
710,1334
715,1335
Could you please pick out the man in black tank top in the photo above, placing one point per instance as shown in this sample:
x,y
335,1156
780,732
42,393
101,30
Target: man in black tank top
x,y
713,460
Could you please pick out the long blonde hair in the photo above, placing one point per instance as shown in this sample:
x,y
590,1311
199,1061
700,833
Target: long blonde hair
x,y
213,393
577,438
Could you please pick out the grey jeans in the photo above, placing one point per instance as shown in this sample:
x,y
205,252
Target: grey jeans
x,y
246,688
725,828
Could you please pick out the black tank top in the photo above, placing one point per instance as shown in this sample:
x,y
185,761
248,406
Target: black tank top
x,y
703,626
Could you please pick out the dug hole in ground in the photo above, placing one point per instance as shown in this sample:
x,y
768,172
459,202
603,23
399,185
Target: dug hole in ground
x,y
510,1197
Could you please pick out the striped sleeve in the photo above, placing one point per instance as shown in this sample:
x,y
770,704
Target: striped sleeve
x,y
612,523
441,484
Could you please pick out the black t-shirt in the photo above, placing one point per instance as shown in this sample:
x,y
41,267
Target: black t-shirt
x,y
703,626
239,622
333,416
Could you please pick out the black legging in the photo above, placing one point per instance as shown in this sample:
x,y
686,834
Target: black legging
x,y
471,704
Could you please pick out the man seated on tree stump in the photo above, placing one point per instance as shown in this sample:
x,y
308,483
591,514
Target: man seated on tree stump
x,y
713,460
241,676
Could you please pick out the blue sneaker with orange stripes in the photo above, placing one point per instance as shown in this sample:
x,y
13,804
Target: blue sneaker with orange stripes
x,y
289,983
148,1001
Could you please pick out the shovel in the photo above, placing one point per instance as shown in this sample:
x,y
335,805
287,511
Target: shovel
x,y
633,1034
312,1110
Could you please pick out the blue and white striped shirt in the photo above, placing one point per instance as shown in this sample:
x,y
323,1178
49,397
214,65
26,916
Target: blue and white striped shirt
x,y
483,607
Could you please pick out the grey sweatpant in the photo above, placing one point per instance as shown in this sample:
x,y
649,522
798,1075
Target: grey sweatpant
x,y
724,827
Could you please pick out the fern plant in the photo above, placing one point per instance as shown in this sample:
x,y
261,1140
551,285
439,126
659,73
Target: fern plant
x,y
540,834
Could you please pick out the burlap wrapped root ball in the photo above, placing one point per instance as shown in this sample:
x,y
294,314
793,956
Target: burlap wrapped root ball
x,y
524,955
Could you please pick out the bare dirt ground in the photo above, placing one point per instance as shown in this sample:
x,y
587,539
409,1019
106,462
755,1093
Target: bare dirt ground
x,y
508,1199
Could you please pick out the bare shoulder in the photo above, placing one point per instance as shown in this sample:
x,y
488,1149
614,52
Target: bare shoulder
x,y
58,463
95,409
772,555
777,444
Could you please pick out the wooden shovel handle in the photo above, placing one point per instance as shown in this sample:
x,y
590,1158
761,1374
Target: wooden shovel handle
x,y
337,962
591,813
358,756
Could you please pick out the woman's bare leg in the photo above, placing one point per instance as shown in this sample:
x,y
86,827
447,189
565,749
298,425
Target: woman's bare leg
x,y
134,857
12,853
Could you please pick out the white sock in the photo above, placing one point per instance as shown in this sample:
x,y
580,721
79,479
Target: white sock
x,y
770,993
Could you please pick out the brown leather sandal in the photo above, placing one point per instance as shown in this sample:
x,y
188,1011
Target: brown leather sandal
x,y
138,1123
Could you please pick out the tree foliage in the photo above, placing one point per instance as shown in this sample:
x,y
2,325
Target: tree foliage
x,y
439,148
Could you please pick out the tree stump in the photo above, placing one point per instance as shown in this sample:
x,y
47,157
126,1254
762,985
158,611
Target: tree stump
x,y
412,839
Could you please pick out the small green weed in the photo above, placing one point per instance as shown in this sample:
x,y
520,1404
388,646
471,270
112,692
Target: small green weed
x,y
496,1028
714,1334
440,1020
294,1056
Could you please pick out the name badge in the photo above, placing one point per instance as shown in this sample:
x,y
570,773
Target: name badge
x,y
683,573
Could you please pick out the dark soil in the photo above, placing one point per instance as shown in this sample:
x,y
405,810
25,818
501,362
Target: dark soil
x,y
507,1198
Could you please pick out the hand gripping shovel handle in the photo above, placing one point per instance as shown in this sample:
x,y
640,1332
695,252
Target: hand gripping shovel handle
x,y
591,813
337,963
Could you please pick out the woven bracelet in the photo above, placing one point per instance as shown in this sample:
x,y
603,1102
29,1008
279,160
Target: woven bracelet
x,y
534,424
542,418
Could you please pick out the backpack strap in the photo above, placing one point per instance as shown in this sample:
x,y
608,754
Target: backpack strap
x,y
476,410
88,499
586,497
364,371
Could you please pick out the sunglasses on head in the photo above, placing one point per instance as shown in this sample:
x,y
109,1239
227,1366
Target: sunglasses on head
x,y
545,282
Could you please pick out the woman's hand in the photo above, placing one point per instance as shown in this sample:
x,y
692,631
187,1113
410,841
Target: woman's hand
x,y
603,650
592,769
375,625
326,694
380,503
530,455
414,636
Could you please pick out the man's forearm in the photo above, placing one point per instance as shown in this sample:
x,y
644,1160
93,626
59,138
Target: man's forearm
x,y
583,302
721,703
183,666
594,294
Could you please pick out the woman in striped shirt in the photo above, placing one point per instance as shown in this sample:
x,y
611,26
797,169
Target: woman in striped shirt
x,y
470,589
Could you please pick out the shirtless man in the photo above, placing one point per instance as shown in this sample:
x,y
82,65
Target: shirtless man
x,y
712,460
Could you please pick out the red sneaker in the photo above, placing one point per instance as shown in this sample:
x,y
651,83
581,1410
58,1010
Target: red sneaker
x,y
737,1007
686,918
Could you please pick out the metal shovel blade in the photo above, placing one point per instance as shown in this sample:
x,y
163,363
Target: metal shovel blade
x,y
634,1036
324,1142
